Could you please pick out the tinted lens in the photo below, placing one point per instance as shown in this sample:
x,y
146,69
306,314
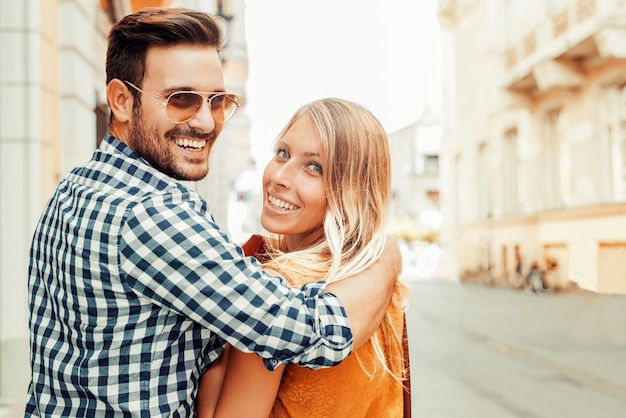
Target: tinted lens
x,y
183,106
223,106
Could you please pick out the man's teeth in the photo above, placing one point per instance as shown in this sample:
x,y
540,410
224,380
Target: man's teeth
x,y
190,143
280,203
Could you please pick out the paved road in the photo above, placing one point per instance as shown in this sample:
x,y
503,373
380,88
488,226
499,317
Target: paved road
x,y
484,352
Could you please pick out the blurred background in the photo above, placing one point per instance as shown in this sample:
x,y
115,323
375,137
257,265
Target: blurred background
x,y
507,126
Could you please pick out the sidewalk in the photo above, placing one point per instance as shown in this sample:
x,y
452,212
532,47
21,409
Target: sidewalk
x,y
494,352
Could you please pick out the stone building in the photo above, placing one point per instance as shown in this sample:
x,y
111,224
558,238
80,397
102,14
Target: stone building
x,y
415,177
534,149
53,113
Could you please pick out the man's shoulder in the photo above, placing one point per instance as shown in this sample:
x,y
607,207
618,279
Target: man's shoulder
x,y
115,170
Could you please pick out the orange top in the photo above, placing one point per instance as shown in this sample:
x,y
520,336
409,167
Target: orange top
x,y
345,390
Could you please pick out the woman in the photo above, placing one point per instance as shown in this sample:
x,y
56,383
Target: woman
x,y
327,193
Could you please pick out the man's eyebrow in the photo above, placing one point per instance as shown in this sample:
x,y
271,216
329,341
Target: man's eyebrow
x,y
169,90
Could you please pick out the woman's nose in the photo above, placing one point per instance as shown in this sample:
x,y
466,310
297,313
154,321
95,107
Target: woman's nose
x,y
283,175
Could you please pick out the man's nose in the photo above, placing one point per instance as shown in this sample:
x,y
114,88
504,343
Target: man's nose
x,y
203,120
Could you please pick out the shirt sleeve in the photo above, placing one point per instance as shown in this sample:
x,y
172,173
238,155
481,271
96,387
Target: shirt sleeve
x,y
173,254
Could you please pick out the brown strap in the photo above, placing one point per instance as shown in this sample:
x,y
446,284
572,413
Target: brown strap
x,y
407,367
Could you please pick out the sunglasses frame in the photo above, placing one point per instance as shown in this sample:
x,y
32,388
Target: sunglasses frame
x,y
206,96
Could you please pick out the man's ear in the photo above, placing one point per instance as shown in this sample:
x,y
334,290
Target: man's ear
x,y
120,100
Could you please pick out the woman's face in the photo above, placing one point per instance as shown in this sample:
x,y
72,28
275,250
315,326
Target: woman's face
x,y
294,196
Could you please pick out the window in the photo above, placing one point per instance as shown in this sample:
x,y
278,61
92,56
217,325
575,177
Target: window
x,y
509,171
612,182
482,172
457,187
553,196
431,164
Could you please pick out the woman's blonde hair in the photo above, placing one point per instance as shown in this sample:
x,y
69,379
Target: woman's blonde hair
x,y
356,165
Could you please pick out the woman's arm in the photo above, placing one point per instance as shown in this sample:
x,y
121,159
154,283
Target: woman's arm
x,y
211,385
249,389
238,385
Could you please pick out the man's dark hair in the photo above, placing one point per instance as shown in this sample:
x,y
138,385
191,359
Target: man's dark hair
x,y
131,37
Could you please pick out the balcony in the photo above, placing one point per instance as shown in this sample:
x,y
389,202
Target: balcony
x,y
555,55
449,11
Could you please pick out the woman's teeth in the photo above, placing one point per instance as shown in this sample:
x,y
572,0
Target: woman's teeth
x,y
280,204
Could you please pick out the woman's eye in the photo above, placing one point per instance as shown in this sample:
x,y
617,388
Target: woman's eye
x,y
316,168
282,153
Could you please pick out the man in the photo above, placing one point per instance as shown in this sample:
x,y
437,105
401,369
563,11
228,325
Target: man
x,y
134,290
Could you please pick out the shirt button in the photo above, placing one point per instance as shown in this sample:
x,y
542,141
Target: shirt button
x,y
274,362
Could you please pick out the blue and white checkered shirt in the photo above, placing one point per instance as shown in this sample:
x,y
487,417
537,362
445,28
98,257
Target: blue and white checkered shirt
x,y
134,290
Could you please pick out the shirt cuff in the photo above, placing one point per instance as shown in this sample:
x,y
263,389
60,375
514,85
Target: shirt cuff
x,y
332,341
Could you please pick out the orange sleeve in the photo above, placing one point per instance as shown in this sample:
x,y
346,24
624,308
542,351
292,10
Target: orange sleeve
x,y
255,247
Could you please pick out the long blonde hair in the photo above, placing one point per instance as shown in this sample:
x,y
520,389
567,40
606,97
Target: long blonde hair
x,y
357,179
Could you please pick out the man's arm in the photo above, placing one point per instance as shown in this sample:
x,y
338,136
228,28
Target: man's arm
x,y
180,260
366,296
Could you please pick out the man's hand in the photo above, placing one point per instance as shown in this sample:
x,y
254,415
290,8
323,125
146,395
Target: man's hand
x,y
366,296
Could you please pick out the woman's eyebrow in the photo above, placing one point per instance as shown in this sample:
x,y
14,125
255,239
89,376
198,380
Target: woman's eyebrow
x,y
281,143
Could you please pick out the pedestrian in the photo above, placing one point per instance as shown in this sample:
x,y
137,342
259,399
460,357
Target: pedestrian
x,y
327,194
133,289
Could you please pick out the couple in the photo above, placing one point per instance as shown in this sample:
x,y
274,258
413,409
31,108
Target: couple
x,y
138,299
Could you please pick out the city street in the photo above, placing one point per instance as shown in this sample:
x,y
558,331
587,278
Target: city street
x,y
488,352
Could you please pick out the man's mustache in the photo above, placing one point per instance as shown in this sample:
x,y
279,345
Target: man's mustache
x,y
188,132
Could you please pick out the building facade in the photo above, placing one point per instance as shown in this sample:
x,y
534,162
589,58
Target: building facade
x,y
415,178
534,150
53,113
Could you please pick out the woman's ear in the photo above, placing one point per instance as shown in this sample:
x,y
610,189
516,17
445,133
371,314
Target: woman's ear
x,y
120,100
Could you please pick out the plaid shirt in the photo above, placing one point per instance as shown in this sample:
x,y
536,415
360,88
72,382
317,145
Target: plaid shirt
x,y
134,290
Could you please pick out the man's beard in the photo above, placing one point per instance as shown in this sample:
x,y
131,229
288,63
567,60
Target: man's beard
x,y
155,149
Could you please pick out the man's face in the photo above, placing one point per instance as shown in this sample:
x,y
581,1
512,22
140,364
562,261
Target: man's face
x,y
179,150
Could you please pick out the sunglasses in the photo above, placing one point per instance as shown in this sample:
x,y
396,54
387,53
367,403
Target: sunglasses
x,y
182,106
